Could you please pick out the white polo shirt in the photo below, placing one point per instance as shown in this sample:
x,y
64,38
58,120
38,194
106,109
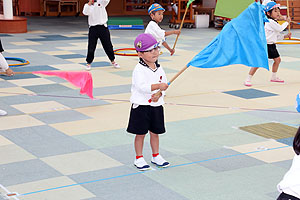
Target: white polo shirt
x,y
158,33
142,79
291,180
273,31
96,13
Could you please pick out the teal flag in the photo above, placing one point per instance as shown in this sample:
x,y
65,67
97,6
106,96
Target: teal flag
x,y
189,2
242,41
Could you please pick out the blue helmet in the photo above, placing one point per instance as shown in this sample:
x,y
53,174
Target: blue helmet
x,y
155,7
271,5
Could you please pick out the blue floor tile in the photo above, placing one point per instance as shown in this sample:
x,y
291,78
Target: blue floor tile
x,y
227,163
43,141
26,171
69,56
288,141
60,116
100,64
250,93
121,188
119,89
47,88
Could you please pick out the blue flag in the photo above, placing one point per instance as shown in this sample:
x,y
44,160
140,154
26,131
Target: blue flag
x,y
242,41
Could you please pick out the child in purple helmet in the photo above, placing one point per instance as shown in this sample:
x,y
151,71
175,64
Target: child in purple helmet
x,y
147,114
156,12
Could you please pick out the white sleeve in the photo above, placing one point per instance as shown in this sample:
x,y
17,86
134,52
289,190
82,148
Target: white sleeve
x,y
104,3
138,81
87,9
3,63
156,31
280,36
272,25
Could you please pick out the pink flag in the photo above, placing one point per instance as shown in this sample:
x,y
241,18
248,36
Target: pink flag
x,y
80,79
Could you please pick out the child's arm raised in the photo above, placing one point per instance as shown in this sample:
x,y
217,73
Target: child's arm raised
x,y
175,32
172,51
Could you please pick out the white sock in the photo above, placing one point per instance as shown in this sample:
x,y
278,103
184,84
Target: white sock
x,y
273,75
249,77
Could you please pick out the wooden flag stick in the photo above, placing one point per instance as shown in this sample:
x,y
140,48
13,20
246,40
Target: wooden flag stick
x,y
288,14
186,9
18,73
180,72
172,79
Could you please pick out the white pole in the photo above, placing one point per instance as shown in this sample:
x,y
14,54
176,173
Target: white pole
x,y
8,9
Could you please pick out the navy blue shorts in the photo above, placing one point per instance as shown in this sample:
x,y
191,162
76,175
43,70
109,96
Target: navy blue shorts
x,y
146,118
272,51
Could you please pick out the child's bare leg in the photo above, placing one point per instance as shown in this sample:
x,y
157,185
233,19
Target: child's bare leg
x,y
139,144
154,142
251,73
253,70
275,67
276,64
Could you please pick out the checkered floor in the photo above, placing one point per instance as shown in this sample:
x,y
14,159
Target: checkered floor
x,y
58,145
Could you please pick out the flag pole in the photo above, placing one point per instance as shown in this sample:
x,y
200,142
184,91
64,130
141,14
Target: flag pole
x,y
181,25
18,72
172,79
180,72
288,14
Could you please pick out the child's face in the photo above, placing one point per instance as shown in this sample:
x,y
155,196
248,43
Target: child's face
x,y
275,13
157,16
150,56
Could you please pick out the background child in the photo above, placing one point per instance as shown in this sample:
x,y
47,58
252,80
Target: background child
x,y
147,116
156,12
97,19
4,68
290,185
272,30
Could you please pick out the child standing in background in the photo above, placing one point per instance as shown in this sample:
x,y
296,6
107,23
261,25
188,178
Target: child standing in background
x,y
156,12
97,19
273,32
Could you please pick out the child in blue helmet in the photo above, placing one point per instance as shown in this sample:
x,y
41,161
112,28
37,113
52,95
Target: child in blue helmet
x,y
273,32
156,12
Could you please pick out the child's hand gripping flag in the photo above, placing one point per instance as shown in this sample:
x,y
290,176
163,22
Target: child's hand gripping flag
x,y
242,41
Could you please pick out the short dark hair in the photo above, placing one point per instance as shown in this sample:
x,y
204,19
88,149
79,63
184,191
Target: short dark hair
x,y
296,143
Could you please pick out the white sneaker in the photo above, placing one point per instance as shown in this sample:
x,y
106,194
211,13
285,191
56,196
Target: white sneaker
x,y
116,65
248,83
88,67
159,161
2,113
141,164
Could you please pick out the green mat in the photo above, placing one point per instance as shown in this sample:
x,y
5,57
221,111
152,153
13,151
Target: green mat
x,y
125,21
231,8
271,130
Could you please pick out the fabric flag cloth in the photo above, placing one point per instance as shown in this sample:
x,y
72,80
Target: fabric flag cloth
x,y
189,3
242,41
82,79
